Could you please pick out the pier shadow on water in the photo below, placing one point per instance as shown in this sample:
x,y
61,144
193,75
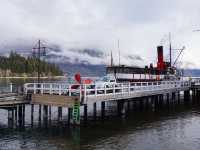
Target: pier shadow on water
x,y
173,126
39,134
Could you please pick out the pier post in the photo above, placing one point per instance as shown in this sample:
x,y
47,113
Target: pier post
x,y
85,113
147,103
153,102
197,95
16,114
13,115
161,100
186,95
179,98
45,115
69,115
102,110
49,112
23,113
20,115
10,117
95,111
32,114
194,95
173,97
120,107
128,106
141,103
45,112
40,112
168,103
59,113
156,98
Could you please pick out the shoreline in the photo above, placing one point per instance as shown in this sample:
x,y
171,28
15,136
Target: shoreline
x,y
21,77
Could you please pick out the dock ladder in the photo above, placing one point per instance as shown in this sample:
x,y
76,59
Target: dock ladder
x,y
76,112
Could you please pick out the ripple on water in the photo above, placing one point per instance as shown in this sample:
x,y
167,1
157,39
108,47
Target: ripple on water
x,y
174,132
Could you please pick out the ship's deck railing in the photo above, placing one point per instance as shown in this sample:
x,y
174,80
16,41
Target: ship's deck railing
x,y
95,90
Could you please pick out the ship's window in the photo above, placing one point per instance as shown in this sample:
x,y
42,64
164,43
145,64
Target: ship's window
x,y
132,84
144,84
105,79
138,84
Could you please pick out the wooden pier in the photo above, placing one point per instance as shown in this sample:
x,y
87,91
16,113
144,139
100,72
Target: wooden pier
x,y
47,95
64,95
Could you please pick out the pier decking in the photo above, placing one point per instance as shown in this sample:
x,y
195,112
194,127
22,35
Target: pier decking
x,y
11,99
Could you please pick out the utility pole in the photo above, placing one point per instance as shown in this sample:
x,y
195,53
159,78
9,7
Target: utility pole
x,y
39,61
38,54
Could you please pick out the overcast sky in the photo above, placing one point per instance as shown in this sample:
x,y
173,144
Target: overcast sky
x,y
140,25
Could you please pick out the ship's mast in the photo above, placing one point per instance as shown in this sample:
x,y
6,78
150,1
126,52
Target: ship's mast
x,y
170,50
111,59
119,52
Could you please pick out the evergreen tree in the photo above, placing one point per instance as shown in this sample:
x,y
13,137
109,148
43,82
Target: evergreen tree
x,y
20,65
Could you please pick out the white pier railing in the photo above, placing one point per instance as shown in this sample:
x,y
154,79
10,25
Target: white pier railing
x,y
195,81
96,92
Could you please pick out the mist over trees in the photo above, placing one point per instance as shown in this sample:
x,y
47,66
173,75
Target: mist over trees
x,y
16,65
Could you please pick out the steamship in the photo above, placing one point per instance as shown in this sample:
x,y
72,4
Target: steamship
x,y
163,71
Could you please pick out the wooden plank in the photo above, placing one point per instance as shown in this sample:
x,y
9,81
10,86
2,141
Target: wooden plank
x,y
54,100
13,100
2,95
9,103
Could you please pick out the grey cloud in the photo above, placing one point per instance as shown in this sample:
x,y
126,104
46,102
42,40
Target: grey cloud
x,y
88,24
91,52
136,57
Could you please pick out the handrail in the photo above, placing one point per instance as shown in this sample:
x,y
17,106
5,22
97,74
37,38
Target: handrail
x,y
88,90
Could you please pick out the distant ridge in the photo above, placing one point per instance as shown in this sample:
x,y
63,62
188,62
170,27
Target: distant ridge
x,y
192,72
84,69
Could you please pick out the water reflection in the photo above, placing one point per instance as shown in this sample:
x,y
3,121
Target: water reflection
x,y
40,138
169,129
44,134
174,128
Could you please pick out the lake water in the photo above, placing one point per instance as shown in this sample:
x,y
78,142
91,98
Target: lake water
x,y
173,128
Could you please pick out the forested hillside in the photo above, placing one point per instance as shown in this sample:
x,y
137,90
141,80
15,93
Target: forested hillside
x,y
16,65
